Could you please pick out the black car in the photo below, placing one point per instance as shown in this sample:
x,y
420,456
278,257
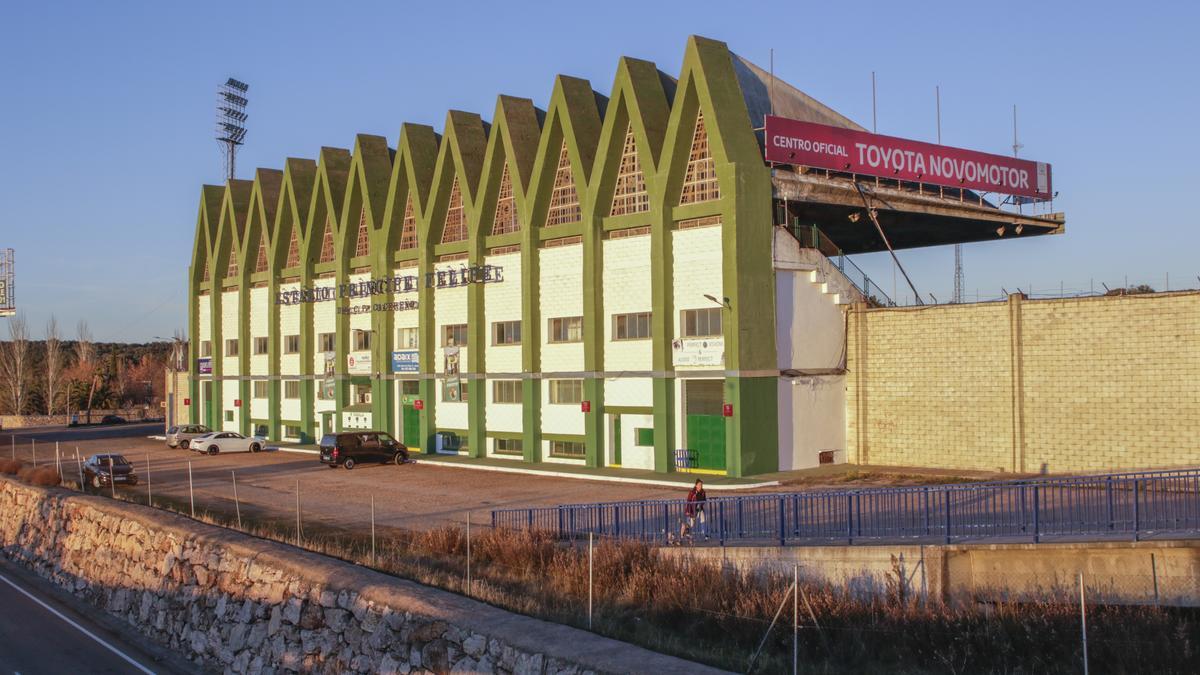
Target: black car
x,y
348,448
112,419
108,469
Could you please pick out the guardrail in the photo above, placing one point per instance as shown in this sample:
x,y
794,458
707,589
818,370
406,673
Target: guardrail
x,y
1109,506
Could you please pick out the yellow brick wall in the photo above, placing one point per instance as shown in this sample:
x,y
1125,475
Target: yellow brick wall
x,y
1082,384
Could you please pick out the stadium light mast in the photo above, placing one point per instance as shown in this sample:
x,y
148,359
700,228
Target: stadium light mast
x,y
231,121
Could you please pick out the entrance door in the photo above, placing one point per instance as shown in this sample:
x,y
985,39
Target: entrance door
x,y
327,423
705,424
412,427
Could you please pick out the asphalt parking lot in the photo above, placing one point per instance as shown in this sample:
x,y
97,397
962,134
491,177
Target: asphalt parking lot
x,y
415,496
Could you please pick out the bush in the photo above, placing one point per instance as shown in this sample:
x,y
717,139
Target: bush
x,y
10,466
46,476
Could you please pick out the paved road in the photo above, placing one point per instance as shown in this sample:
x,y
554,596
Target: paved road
x,y
39,633
415,496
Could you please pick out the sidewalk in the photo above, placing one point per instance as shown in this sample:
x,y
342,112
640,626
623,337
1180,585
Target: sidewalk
x,y
556,470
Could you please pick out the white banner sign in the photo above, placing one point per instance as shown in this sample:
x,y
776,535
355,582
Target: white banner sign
x,y
358,363
698,351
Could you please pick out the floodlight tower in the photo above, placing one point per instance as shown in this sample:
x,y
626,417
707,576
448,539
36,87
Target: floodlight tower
x,y
231,121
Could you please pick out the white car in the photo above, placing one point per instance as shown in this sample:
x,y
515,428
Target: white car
x,y
225,441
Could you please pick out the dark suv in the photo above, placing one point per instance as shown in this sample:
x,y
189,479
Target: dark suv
x,y
348,448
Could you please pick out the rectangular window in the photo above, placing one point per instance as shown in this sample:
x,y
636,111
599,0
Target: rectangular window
x,y
231,347
572,449
362,393
406,338
566,391
643,438
701,322
260,345
362,340
450,396
410,387
454,335
506,333
506,391
291,344
507,446
566,329
291,389
291,431
228,415
260,388
631,326
327,342
206,348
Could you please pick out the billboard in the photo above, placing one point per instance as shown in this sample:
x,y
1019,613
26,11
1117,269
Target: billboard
x,y
847,150
8,303
406,361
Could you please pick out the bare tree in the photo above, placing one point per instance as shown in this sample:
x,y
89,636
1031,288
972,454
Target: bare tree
x,y
85,354
54,362
14,365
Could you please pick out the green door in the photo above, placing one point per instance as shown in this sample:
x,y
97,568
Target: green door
x,y
706,437
412,428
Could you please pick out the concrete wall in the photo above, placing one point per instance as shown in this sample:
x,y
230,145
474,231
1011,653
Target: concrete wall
x,y
232,602
1082,384
1162,572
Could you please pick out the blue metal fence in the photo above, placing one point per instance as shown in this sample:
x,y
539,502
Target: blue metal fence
x,y
1110,506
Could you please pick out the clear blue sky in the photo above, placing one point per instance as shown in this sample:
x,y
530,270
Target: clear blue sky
x,y
107,117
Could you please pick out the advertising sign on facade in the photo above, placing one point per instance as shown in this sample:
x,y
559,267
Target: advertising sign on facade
x,y
406,361
839,149
204,365
328,388
698,351
358,363
8,304
453,377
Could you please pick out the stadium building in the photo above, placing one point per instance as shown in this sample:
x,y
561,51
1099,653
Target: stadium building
x,y
618,280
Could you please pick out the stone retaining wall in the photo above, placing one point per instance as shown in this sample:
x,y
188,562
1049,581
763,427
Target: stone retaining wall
x,y
233,602
30,421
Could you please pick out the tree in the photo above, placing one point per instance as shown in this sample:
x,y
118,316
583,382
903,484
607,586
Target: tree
x,y
85,357
54,363
14,366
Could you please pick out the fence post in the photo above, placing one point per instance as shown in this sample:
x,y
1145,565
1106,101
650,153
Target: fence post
x,y
721,522
297,512
925,491
33,449
741,532
112,478
149,494
782,521
1137,516
591,558
948,520
560,522
191,489
468,554
373,527
1037,511
849,518
616,520
57,460
666,522
1083,623
237,503
79,464
1109,492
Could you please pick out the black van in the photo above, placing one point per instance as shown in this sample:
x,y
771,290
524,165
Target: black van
x,y
348,448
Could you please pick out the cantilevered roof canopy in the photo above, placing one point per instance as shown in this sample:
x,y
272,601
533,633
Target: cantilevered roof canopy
x,y
912,215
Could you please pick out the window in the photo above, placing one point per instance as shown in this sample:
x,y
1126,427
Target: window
x,y
260,345
260,388
206,348
700,180
362,245
291,344
362,393
228,415
410,387
506,218
449,395
631,326
572,449
291,389
566,391
643,438
362,340
406,338
327,341
630,194
701,322
327,242
291,431
408,231
566,329
454,335
454,228
506,391
231,347
507,446
506,333
564,200
293,254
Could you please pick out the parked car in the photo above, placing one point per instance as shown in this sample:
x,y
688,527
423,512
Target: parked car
x,y
178,437
348,448
225,441
108,469
112,419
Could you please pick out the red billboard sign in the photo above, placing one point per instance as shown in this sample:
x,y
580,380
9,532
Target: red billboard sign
x,y
827,147
586,406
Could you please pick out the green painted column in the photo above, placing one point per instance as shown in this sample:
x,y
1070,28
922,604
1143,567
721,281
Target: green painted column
x,y
427,345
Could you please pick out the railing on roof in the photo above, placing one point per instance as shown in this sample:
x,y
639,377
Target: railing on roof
x,y
1101,507
810,236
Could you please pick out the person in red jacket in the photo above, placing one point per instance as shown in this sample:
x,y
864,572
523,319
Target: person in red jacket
x,y
694,511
